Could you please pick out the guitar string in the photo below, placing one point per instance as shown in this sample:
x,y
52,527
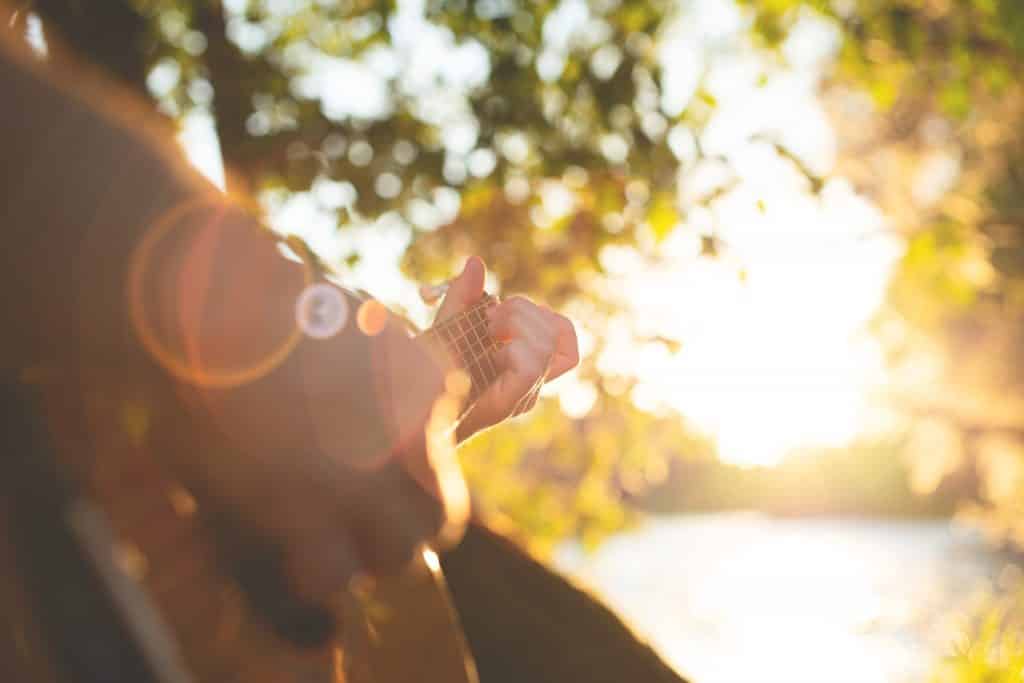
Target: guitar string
x,y
487,345
468,357
476,351
473,352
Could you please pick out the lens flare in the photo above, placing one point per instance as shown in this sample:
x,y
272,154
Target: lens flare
x,y
321,311
187,263
372,317
440,473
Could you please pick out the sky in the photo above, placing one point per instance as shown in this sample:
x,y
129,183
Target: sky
x,y
774,354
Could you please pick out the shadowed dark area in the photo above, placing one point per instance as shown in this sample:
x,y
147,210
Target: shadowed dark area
x,y
527,623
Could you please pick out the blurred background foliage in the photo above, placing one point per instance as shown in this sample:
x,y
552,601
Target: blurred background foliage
x,y
945,77
990,651
555,135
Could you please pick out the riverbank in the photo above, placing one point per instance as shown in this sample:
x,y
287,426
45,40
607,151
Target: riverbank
x,y
868,480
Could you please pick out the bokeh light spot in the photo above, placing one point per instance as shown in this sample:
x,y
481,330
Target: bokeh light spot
x,y
372,317
321,311
194,226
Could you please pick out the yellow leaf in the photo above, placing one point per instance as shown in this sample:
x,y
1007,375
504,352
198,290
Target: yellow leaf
x,y
662,216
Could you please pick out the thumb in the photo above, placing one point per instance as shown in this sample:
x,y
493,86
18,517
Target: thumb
x,y
465,290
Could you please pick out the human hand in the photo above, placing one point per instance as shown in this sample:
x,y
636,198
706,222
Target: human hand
x,y
537,346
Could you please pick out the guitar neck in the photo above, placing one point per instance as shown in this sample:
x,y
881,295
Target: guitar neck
x,y
466,339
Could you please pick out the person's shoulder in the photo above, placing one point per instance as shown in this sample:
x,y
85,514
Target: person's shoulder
x,y
64,85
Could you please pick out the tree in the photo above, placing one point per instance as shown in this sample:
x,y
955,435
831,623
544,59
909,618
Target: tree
x,y
529,107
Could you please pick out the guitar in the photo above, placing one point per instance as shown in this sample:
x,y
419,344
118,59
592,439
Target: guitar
x,y
130,582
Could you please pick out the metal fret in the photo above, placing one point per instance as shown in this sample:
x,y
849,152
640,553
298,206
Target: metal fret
x,y
466,337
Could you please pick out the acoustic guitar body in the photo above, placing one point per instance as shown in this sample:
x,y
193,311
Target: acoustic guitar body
x,y
117,574
113,573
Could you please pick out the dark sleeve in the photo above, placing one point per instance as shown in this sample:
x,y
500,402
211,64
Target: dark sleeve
x,y
88,171
89,181
538,626
79,184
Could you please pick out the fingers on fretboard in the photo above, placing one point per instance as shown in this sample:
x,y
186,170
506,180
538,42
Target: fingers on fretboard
x,y
466,337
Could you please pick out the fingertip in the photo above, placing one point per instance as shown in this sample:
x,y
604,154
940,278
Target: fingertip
x,y
474,272
474,263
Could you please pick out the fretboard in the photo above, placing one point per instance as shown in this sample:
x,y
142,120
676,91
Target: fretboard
x,y
466,339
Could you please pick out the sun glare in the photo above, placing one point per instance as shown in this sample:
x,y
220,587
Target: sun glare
x,y
775,359
804,601
773,354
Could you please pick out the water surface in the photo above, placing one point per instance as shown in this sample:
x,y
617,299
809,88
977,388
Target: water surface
x,y
743,598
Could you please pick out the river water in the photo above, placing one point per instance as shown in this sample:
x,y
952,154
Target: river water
x,y
744,598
